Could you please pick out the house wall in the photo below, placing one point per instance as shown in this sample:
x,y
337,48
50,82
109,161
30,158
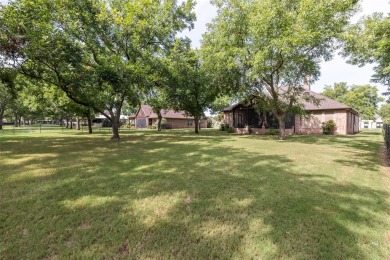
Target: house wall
x,y
371,124
313,123
228,118
352,123
182,123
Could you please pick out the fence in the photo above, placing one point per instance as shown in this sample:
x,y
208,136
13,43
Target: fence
x,y
48,128
386,134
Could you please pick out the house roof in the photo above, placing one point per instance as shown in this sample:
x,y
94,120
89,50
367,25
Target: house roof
x,y
147,111
324,104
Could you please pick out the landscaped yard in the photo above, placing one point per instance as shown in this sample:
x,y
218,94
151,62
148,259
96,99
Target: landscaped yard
x,y
179,195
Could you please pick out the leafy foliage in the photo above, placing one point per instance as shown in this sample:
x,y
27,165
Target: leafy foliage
x,y
384,112
363,98
368,42
100,57
329,127
267,48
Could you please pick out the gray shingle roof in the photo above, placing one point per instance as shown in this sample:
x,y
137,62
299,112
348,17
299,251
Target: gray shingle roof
x,y
324,104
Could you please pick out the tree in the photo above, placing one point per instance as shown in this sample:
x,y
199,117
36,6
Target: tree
x,y
158,100
336,92
191,90
384,112
368,42
363,98
267,48
7,91
99,57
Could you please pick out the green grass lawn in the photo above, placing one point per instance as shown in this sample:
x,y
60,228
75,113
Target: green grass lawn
x,y
179,195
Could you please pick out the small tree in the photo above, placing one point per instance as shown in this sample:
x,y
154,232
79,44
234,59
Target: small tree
x,y
190,88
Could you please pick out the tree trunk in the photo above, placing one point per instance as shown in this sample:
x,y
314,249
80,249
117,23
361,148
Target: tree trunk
x,y
159,122
71,123
1,119
282,127
196,124
67,123
89,119
78,124
16,120
115,128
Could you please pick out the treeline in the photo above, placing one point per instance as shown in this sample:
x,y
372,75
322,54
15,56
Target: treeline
x,y
99,56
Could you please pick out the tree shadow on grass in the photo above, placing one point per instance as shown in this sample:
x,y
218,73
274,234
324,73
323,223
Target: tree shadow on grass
x,y
173,198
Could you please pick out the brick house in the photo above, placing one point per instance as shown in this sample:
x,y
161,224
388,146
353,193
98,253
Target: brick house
x,y
145,117
244,118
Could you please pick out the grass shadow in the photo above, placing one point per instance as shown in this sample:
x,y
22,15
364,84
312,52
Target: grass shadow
x,y
177,195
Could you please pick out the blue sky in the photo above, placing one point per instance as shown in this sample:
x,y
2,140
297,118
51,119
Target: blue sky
x,y
336,70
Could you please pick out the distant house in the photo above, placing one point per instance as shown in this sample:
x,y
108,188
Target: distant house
x,y
145,117
372,124
244,118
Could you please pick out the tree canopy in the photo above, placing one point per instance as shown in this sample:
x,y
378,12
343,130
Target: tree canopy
x,y
363,98
267,48
368,42
98,52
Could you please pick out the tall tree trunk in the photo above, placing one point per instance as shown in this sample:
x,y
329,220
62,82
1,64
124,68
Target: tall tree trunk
x,y
196,124
1,119
67,123
71,123
115,128
89,119
159,121
16,120
78,123
282,127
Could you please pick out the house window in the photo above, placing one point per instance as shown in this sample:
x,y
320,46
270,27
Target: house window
x,y
379,124
189,122
365,124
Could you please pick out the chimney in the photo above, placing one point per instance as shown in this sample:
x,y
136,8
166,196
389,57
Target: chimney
x,y
306,83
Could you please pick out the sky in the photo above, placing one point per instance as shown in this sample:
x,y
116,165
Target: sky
x,y
333,71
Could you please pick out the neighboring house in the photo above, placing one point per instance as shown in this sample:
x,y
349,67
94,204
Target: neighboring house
x,y
245,119
372,124
145,117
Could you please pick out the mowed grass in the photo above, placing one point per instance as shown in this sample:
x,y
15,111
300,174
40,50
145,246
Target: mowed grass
x,y
179,195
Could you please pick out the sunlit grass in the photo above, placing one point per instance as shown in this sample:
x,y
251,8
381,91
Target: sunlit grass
x,y
179,195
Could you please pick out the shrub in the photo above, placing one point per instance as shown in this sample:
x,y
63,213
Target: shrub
x,y
222,127
229,130
152,127
329,127
272,132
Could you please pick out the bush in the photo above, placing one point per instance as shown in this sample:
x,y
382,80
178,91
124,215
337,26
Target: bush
x,y
329,127
272,132
152,127
229,130
222,127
